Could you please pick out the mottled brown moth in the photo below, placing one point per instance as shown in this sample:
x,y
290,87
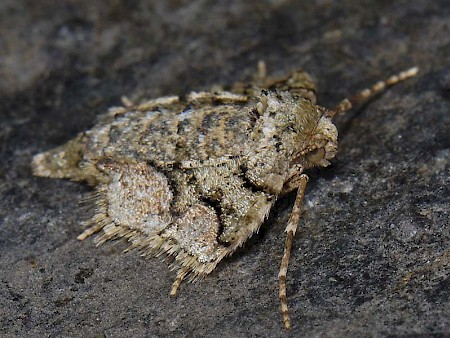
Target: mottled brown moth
x,y
194,177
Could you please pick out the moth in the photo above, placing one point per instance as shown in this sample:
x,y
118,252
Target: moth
x,y
194,176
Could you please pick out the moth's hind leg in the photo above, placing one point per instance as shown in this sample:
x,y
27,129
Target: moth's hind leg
x,y
290,230
299,83
182,272
260,77
96,227
133,202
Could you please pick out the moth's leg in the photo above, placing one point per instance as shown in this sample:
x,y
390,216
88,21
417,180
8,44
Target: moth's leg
x,y
167,102
260,77
126,101
292,183
368,93
290,230
135,200
93,229
298,83
253,87
218,96
182,272
192,240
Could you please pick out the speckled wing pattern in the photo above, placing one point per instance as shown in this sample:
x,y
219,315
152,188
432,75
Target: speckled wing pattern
x,y
192,178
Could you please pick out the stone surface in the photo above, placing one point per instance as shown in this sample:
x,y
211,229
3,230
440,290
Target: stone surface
x,y
372,254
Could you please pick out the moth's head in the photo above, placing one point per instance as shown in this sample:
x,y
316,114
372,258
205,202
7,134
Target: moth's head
x,y
322,146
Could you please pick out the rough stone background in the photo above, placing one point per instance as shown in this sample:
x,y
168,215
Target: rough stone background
x,y
372,254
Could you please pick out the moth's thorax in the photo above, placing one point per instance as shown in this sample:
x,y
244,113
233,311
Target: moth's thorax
x,y
286,119
296,127
284,127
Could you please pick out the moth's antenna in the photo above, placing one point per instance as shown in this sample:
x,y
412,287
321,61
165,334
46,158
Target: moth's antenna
x,y
368,93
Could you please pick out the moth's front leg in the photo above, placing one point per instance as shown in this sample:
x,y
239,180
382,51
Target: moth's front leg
x,y
292,183
298,182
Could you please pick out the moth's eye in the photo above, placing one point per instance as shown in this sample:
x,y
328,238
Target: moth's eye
x,y
316,155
